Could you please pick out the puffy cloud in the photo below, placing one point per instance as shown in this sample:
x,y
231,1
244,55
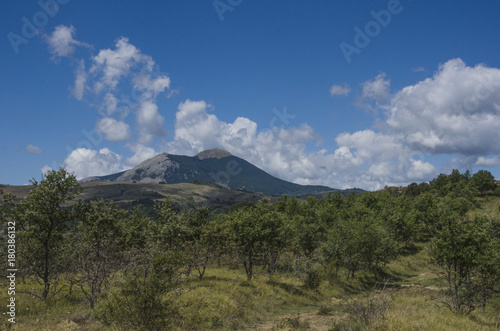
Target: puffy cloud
x,y
31,149
141,153
110,72
487,162
111,65
340,90
377,89
113,130
364,159
62,43
86,162
457,111
150,84
110,103
149,122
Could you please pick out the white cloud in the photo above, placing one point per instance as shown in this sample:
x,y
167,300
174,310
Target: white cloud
x,y
78,90
33,149
46,169
455,112
149,122
340,90
419,69
364,159
141,153
150,84
377,89
105,84
62,43
110,103
86,162
112,65
487,162
113,130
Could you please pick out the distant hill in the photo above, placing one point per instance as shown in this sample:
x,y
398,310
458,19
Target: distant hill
x,y
212,166
130,195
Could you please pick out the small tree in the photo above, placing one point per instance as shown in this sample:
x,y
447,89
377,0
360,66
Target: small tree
x,y
461,250
43,221
98,246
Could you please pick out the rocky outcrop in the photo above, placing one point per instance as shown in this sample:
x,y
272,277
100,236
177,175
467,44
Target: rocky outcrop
x,y
150,171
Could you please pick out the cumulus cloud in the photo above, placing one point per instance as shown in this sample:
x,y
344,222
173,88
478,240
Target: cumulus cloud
x,y
31,149
377,89
364,159
149,122
113,130
457,111
340,90
141,153
62,43
120,81
86,162
487,161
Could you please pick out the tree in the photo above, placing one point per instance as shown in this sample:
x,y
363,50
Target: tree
x,y
483,181
254,233
98,246
43,221
462,250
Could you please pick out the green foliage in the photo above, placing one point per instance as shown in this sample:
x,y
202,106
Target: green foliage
x,y
292,323
466,254
483,181
133,268
43,223
98,247
142,302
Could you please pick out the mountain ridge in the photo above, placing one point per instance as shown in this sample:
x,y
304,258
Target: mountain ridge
x,y
210,166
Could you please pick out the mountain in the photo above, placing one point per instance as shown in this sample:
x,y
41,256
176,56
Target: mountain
x,y
210,166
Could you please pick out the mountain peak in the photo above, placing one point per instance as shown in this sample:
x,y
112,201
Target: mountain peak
x,y
215,153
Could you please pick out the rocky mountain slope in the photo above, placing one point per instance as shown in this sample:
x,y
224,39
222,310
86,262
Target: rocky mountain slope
x,y
212,166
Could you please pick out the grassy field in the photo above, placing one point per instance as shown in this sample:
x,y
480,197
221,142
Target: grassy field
x,y
224,300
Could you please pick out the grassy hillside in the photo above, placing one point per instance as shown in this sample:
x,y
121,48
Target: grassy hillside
x,y
359,262
224,300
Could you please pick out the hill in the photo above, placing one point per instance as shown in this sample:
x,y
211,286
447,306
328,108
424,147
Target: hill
x,y
129,195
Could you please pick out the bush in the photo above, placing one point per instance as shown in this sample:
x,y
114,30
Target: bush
x,y
143,303
140,305
366,312
313,279
292,323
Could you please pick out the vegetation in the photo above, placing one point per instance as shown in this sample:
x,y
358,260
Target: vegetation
x,y
383,259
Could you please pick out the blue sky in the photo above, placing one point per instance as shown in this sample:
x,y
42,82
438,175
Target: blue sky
x,y
340,93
